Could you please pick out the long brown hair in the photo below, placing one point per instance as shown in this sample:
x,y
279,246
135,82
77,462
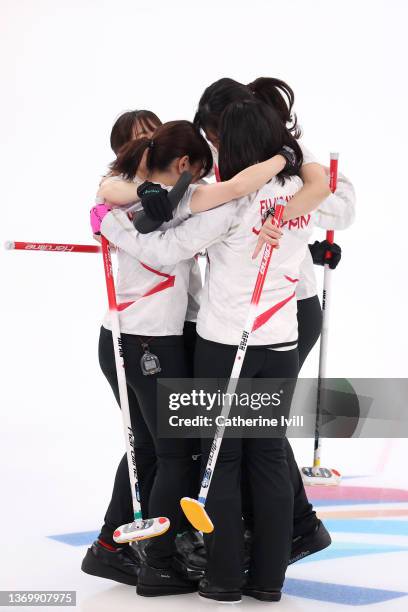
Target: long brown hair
x,y
126,124
170,141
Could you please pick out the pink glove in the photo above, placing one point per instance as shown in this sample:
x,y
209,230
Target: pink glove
x,y
97,214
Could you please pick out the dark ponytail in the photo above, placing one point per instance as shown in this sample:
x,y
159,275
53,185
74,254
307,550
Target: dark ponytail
x,y
129,158
280,96
251,132
170,141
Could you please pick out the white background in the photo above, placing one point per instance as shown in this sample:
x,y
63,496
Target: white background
x,y
68,69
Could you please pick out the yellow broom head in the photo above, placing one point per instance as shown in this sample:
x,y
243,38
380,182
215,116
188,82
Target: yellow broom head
x,y
196,514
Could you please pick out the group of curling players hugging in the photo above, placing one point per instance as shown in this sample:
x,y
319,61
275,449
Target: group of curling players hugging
x,y
243,155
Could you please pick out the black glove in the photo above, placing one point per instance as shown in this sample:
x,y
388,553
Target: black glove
x,y
319,249
155,201
289,155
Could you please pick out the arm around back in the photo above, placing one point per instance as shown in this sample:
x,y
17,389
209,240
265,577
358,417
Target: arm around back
x,y
314,191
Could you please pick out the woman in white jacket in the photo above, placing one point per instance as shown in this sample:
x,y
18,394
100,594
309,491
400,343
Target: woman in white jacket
x,y
105,558
336,212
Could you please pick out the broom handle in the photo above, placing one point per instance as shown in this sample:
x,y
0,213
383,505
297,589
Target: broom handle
x,y
327,291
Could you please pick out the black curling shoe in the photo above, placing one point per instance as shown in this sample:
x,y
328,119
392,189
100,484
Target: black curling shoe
x,y
154,582
209,591
190,560
261,594
121,565
312,542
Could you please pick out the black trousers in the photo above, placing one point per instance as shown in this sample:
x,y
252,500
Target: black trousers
x,y
304,517
269,485
164,465
309,316
120,507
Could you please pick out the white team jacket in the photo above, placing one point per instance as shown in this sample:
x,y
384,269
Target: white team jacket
x,y
154,300
337,212
229,233
132,275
